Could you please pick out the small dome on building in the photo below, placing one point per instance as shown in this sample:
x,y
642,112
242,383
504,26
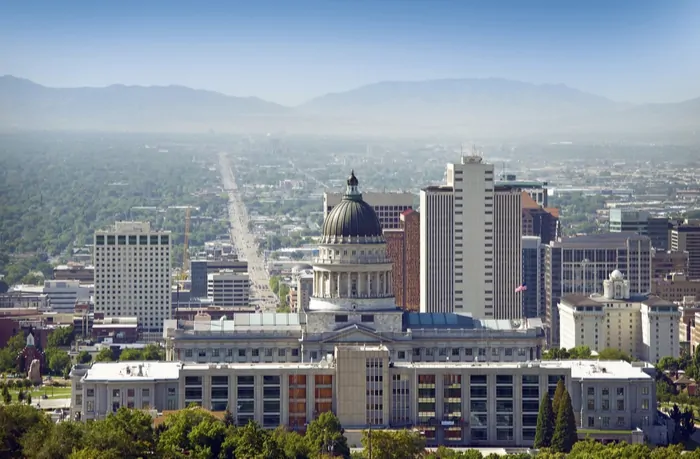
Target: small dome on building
x,y
353,217
616,275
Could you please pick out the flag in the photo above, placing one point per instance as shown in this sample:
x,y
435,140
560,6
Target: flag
x,y
522,288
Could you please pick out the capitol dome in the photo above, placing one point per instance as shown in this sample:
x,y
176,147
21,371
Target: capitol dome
x,y
353,218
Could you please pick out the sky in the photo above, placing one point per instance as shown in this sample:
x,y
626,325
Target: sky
x,y
290,51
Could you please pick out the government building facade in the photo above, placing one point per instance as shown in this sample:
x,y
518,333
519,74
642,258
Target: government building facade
x,y
458,380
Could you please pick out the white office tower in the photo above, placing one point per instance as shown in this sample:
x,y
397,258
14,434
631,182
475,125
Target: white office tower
x,y
436,249
228,288
508,254
132,274
465,259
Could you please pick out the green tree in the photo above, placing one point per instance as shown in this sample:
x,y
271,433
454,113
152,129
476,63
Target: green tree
x,y
250,440
326,430
58,360
565,433
58,443
16,420
274,284
293,444
130,354
393,444
84,357
60,336
176,437
558,394
207,438
545,423
613,354
6,395
105,355
129,432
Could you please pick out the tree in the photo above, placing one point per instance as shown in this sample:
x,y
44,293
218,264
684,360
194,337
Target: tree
x,y
565,433
558,394
687,424
84,357
28,398
677,416
274,284
6,396
326,430
129,432
545,423
16,420
58,443
176,437
58,361
60,337
613,354
393,444
105,355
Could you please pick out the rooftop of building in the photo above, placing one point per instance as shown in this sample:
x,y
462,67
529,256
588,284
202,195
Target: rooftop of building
x,y
599,238
133,371
170,371
577,299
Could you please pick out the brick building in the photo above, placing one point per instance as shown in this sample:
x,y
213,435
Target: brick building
x,y
403,248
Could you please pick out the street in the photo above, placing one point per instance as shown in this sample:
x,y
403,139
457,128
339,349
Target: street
x,y
244,241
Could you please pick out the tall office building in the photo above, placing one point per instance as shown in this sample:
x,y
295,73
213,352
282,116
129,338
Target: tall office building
x,y
132,274
640,222
537,191
388,206
533,276
581,264
508,255
457,241
539,221
200,269
686,238
437,253
403,248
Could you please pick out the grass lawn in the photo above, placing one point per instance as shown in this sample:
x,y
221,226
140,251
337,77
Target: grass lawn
x,y
51,392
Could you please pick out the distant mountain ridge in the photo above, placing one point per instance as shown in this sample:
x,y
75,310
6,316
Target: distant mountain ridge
x,y
477,107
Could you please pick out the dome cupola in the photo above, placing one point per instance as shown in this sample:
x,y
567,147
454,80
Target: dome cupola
x,y
352,219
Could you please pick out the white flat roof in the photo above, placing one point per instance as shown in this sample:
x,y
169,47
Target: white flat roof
x,y
129,371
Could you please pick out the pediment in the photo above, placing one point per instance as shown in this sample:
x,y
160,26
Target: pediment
x,y
355,334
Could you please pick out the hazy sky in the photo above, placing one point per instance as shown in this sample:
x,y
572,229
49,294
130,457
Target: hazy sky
x,y
291,50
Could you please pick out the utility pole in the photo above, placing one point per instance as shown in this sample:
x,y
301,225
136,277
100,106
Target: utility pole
x,y
369,436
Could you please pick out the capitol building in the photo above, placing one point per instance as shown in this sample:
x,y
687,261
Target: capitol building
x,y
457,379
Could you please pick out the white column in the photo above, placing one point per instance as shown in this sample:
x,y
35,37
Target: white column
x,y
369,284
349,284
337,285
386,283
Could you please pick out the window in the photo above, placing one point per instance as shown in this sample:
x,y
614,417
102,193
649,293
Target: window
x,y
645,404
341,318
367,318
620,391
645,390
115,393
620,405
130,392
591,391
90,406
90,392
145,393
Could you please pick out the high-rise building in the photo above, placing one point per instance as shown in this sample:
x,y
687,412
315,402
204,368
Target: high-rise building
x,y
228,288
132,274
508,255
537,191
200,269
403,248
685,237
388,205
539,221
640,222
664,263
581,264
457,241
437,253
643,327
533,277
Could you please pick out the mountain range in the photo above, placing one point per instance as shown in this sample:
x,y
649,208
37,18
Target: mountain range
x,y
471,107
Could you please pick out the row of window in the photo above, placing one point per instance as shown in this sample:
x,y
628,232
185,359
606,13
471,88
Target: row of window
x,y
153,239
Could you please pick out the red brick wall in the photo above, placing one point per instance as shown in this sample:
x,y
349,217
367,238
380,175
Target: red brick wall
x,y
395,252
411,226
